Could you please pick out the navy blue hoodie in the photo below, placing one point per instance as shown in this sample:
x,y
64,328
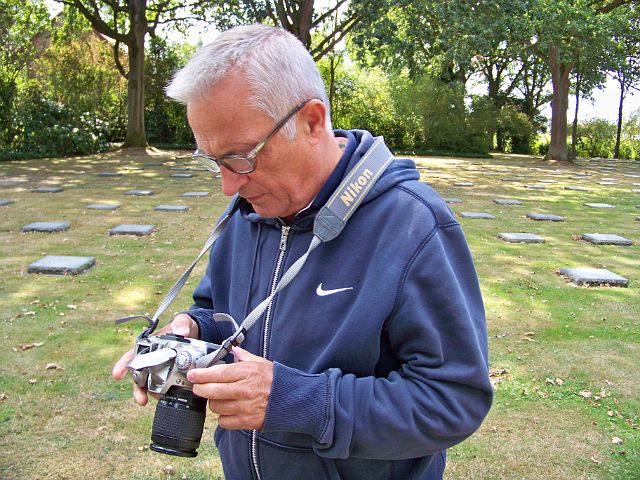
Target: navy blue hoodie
x,y
376,379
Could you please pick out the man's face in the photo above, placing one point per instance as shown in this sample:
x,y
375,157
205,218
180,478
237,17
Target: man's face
x,y
284,180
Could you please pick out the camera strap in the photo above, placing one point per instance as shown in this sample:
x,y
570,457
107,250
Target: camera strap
x,y
329,222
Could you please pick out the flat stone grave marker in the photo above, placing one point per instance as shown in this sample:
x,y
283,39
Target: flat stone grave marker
x,y
477,215
547,181
594,276
464,184
608,183
457,200
576,189
549,217
61,265
195,194
4,202
132,229
109,174
507,201
598,205
104,206
47,190
139,193
606,239
181,175
577,177
535,187
520,238
48,227
509,179
171,208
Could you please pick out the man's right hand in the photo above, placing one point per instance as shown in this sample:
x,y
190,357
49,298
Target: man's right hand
x,y
181,324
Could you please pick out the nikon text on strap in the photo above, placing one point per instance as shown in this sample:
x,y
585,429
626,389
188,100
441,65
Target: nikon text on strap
x,y
329,222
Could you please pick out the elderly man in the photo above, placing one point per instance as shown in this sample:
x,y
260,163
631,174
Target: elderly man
x,y
373,360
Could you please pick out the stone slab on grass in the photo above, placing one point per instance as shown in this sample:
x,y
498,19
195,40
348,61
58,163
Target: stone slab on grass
x,y
535,187
132,229
181,175
47,227
594,277
104,206
598,205
453,200
548,217
520,238
195,194
576,189
477,215
4,202
61,265
606,239
47,190
507,201
464,184
140,193
171,208
109,174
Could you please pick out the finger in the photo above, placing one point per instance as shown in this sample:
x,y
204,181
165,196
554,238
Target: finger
x,y
120,368
140,395
242,355
184,325
215,374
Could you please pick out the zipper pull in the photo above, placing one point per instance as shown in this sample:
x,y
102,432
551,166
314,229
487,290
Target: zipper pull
x,y
284,236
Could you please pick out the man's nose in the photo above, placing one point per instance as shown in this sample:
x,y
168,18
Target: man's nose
x,y
232,182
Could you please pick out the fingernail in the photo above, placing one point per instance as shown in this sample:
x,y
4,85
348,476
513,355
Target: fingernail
x,y
184,331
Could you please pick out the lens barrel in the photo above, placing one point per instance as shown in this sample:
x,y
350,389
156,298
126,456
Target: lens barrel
x,y
178,423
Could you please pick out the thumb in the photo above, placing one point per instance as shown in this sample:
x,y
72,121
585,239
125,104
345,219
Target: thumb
x,y
241,355
181,325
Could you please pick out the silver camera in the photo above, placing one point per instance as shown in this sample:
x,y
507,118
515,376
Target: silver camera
x,y
160,365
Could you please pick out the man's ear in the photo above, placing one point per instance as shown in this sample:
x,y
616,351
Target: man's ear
x,y
312,117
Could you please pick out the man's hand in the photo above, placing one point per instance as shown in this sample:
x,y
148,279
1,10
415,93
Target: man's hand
x,y
238,392
181,324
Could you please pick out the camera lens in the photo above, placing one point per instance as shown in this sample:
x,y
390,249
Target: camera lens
x,y
178,423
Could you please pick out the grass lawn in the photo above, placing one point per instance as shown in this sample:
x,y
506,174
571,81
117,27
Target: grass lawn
x,y
564,358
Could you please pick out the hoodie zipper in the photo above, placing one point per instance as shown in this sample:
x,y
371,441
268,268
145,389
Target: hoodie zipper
x,y
284,237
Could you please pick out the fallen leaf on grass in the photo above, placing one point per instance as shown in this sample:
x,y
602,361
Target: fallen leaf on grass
x,y
616,440
3,397
33,381
168,470
595,460
585,393
29,346
529,334
53,366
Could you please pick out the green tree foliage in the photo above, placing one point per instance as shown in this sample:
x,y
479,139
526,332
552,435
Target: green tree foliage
x,y
71,99
20,24
596,138
166,120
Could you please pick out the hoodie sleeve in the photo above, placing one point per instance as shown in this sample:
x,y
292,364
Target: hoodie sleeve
x,y
436,398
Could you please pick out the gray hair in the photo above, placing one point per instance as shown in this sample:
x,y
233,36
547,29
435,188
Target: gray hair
x,y
280,71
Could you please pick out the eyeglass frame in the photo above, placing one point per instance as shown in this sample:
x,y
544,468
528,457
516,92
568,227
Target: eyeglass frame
x,y
213,164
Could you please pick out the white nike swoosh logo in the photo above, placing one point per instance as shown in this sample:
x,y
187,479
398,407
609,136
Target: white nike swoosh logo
x,y
323,293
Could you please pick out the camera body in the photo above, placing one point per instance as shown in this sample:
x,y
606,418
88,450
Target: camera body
x,y
160,365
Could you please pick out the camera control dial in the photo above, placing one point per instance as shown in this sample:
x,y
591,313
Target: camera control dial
x,y
184,360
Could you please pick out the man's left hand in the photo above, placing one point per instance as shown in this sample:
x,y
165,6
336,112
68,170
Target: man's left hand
x,y
238,392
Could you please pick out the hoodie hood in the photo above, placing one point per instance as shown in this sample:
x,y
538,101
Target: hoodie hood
x,y
359,142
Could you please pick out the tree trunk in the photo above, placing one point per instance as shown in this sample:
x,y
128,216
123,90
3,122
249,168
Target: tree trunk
x,y
135,80
616,151
559,106
574,127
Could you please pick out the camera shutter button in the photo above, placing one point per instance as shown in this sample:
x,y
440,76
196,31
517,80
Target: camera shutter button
x,y
184,360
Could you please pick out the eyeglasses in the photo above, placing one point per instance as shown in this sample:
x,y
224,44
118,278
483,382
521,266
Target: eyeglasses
x,y
242,164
